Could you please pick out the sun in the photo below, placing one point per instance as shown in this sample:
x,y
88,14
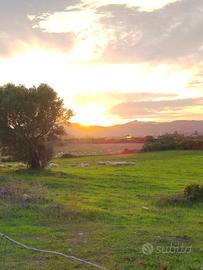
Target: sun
x,y
91,115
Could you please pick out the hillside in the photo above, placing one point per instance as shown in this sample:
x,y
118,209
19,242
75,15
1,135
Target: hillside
x,y
136,128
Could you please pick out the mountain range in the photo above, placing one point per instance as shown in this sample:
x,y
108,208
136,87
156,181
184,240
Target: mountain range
x,y
135,128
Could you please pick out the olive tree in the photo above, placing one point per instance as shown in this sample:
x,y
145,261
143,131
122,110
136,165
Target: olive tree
x,y
30,119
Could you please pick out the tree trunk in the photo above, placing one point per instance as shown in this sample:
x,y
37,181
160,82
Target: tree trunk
x,y
33,162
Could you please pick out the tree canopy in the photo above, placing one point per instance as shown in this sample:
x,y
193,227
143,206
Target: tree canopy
x,y
30,119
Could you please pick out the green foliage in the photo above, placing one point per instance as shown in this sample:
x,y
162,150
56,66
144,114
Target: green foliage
x,y
29,118
150,139
191,144
160,145
194,192
173,141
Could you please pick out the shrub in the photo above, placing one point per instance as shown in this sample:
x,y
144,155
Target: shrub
x,y
67,156
194,192
129,151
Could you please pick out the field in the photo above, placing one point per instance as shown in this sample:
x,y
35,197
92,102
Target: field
x,y
96,149
115,217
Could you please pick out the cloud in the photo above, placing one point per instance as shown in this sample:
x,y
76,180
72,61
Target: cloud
x,y
147,5
89,37
114,97
124,32
196,82
108,31
99,32
17,35
54,42
168,35
154,108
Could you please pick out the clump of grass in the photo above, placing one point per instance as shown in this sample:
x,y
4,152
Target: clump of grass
x,y
12,190
16,194
173,199
61,212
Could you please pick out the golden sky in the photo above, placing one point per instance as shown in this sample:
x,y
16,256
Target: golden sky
x,y
111,61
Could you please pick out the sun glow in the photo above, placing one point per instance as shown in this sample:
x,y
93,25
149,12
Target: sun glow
x,y
91,115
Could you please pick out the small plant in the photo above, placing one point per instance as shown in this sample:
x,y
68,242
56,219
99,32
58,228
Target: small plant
x,y
194,192
158,264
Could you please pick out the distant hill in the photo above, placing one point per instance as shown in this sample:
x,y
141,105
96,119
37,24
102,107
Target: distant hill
x,y
136,128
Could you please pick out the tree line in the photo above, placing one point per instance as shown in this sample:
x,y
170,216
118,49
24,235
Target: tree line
x,y
173,141
102,140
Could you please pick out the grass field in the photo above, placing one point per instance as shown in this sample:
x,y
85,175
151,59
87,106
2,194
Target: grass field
x,y
97,214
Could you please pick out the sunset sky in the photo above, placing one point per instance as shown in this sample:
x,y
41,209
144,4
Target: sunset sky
x,y
111,61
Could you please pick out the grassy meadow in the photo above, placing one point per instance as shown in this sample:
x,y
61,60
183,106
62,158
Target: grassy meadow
x,y
110,216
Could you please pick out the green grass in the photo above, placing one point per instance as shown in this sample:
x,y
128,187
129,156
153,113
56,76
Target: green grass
x,y
96,214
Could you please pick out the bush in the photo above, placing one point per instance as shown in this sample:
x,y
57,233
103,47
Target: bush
x,y
67,156
129,151
158,145
194,192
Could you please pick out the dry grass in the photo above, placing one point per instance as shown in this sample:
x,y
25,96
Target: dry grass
x,y
14,190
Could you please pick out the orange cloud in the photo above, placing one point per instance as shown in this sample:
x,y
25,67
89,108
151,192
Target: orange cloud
x,y
156,109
